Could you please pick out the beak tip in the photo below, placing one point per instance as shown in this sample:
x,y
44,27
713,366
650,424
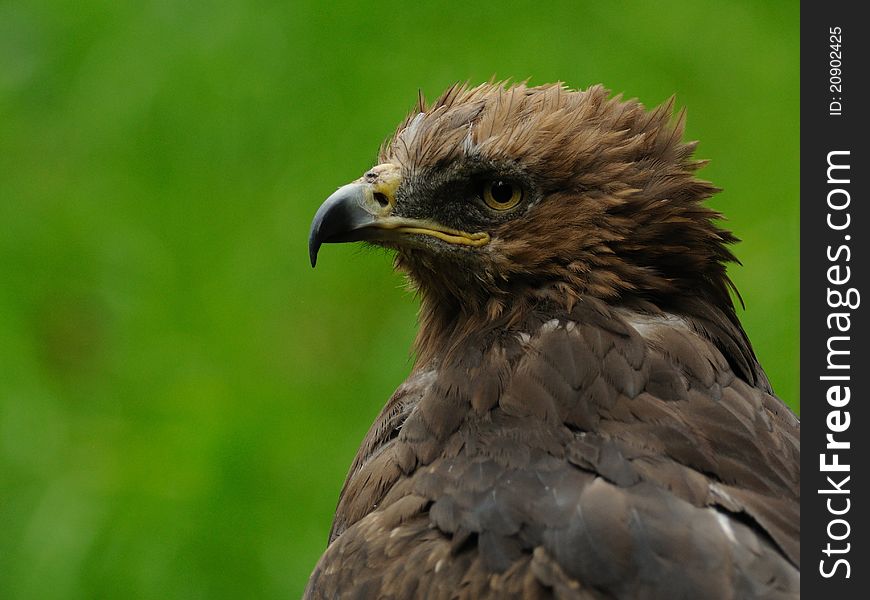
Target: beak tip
x,y
313,249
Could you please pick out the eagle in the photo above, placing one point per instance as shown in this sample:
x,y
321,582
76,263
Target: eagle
x,y
585,416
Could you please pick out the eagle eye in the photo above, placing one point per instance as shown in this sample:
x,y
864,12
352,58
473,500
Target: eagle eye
x,y
501,195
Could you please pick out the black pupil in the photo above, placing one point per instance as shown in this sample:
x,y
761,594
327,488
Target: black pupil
x,y
502,192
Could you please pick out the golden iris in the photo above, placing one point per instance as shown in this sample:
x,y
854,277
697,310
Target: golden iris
x,y
502,195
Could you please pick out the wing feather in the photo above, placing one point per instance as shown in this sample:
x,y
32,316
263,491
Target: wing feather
x,y
616,455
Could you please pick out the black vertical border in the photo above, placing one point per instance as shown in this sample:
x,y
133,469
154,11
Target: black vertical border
x,y
822,133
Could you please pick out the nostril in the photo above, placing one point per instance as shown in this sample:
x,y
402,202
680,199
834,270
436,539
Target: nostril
x,y
381,199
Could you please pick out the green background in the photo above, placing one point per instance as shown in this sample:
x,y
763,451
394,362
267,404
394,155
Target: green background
x,y
180,394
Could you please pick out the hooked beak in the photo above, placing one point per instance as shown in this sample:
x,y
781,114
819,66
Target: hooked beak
x,y
346,216
363,211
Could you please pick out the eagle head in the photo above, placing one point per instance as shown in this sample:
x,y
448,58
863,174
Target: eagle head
x,y
497,197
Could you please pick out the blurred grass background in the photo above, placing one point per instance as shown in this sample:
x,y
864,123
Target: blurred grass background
x,y
180,394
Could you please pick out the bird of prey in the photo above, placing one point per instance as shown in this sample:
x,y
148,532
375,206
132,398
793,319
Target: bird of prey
x,y
585,416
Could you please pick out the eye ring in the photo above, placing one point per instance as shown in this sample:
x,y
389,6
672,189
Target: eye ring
x,y
502,195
